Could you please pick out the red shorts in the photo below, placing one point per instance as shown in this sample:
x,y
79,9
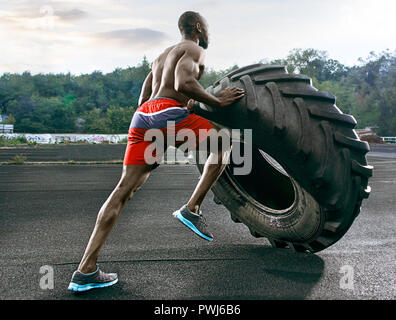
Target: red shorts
x,y
166,117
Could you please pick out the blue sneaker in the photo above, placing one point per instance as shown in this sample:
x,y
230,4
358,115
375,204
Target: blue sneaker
x,y
87,281
196,222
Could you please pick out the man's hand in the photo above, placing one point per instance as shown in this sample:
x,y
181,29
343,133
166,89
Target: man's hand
x,y
190,105
228,96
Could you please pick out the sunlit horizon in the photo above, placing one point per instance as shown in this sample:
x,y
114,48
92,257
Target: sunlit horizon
x,y
80,37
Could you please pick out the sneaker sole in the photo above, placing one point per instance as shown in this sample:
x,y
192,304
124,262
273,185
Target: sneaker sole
x,y
188,224
85,287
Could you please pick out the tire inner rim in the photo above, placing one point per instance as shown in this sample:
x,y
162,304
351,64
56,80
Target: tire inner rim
x,y
268,186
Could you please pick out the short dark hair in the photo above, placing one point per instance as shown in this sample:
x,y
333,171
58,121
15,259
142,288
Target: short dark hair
x,y
187,21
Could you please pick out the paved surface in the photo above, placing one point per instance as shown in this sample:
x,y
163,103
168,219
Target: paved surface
x,y
47,213
78,153
64,152
109,152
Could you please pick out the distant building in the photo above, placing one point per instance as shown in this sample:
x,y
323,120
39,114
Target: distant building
x,y
6,128
3,118
368,134
368,131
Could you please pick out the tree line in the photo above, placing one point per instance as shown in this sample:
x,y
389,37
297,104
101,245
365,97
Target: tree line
x,y
105,103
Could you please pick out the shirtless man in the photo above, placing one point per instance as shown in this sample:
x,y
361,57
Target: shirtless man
x,y
168,94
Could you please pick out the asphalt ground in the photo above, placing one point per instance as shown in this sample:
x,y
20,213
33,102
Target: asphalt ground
x,y
47,213
78,153
64,152
108,152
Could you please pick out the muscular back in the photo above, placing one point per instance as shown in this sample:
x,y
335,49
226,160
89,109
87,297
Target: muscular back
x,y
166,67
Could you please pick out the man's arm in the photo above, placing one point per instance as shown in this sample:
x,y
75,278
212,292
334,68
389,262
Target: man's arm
x,y
146,89
186,75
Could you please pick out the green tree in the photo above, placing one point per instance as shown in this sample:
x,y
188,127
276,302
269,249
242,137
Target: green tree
x,y
94,122
118,119
313,63
101,103
210,76
10,120
346,95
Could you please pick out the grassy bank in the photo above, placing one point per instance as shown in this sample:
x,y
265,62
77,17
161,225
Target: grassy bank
x,y
15,142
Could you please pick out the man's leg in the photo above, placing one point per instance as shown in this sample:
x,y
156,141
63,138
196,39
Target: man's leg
x,y
190,214
213,168
133,177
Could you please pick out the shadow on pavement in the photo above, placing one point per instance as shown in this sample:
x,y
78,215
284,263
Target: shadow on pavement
x,y
239,272
267,274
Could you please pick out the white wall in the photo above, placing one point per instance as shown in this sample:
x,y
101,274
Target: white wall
x,y
66,137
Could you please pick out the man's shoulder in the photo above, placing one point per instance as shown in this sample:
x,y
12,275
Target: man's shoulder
x,y
190,48
188,45
167,50
193,46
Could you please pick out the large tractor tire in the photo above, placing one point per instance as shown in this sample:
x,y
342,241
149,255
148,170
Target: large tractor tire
x,y
309,171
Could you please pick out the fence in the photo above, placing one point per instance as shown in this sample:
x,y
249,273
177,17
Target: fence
x,y
389,139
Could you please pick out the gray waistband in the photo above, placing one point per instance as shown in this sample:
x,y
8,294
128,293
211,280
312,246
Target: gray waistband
x,y
158,98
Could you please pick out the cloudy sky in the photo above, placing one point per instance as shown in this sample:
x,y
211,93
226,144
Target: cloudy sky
x,y
80,36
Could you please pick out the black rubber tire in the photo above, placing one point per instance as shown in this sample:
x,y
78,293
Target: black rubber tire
x,y
312,206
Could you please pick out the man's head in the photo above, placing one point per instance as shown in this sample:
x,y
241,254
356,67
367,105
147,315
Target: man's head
x,y
193,26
